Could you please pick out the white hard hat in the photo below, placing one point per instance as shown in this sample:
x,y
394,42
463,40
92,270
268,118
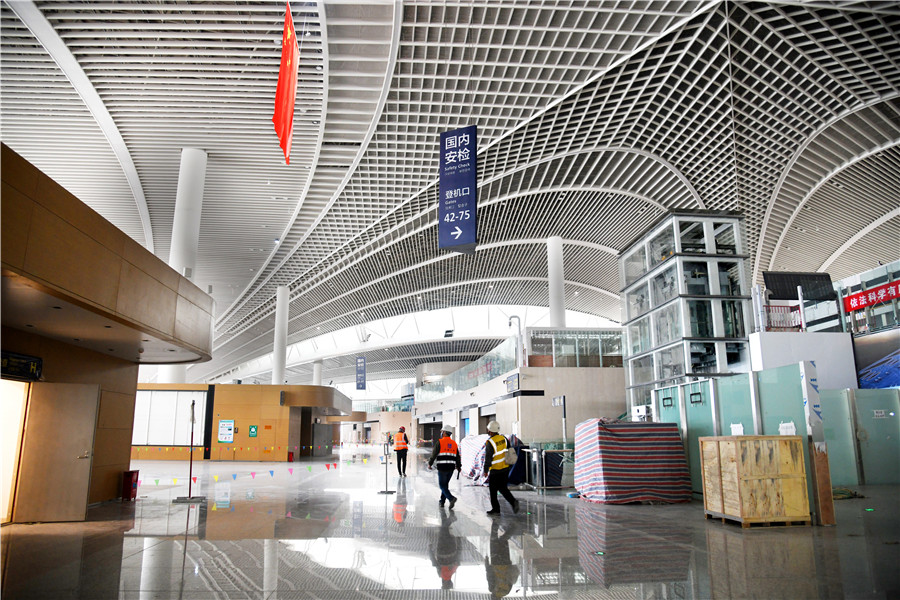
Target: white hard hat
x,y
494,427
447,428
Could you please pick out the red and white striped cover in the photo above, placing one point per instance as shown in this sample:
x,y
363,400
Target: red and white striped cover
x,y
617,548
617,463
471,453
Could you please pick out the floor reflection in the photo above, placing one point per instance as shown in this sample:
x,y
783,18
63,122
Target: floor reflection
x,y
330,534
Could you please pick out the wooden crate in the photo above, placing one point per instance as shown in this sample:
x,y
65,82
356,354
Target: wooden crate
x,y
755,479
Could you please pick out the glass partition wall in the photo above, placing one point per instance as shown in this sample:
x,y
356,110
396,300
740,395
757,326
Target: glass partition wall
x,y
565,347
685,302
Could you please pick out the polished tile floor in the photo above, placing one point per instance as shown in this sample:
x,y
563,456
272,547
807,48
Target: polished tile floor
x,y
323,530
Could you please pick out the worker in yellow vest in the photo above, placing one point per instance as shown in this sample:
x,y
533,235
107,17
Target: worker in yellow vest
x,y
495,449
446,456
401,447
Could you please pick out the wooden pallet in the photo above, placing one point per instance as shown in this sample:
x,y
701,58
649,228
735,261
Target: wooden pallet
x,y
756,524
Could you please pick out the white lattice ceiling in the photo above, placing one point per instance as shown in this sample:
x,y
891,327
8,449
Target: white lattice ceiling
x,y
593,120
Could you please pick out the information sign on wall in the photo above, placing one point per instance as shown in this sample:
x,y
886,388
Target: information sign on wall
x,y
360,372
253,430
457,223
226,431
512,383
21,366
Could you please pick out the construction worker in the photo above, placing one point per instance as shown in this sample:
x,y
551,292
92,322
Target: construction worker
x,y
446,456
495,449
401,447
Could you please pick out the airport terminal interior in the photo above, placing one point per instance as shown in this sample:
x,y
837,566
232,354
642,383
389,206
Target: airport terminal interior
x,y
255,252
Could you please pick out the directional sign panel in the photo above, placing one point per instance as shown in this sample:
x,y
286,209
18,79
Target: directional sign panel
x,y
457,223
360,372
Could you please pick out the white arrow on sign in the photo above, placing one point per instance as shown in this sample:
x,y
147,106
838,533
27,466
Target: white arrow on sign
x,y
456,233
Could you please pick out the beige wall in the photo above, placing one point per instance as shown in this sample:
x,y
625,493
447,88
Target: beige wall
x,y
590,392
392,421
63,363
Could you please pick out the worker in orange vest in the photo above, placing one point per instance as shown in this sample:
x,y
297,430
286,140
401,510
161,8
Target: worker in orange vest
x,y
446,456
401,447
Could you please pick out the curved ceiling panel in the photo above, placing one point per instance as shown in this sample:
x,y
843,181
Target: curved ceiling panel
x,y
592,120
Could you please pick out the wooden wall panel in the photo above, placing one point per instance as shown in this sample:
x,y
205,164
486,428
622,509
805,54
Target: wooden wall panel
x,y
70,260
117,378
15,208
144,299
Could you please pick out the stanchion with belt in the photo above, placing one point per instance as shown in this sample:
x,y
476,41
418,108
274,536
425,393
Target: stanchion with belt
x,y
387,453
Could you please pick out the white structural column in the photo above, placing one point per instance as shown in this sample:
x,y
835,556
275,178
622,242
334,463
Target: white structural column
x,y
270,568
188,204
555,281
317,373
279,349
186,232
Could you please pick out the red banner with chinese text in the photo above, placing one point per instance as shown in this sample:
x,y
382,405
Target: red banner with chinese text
x,y
871,297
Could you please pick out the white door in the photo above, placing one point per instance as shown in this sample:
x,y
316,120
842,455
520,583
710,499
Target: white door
x,y
57,448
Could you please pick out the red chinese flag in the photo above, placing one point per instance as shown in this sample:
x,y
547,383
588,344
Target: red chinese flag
x,y
287,86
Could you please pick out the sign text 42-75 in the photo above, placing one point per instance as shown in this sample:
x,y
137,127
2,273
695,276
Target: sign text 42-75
x,y
457,218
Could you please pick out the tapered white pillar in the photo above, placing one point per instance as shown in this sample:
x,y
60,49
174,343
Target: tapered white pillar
x,y
317,373
555,281
279,349
186,233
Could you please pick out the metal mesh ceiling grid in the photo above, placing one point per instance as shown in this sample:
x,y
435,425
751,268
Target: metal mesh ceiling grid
x,y
714,139
386,152
37,95
723,104
836,146
809,233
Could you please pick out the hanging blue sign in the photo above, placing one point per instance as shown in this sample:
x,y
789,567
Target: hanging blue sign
x,y
360,372
457,223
